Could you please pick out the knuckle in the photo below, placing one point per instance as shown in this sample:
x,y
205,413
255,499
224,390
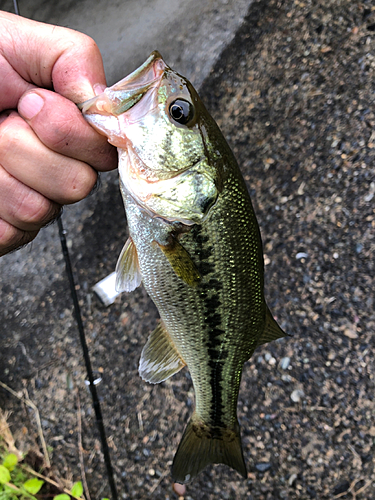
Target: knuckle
x,y
12,131
12,238
89,45
52,214
106,158
23,207
7,138
80,184
35,211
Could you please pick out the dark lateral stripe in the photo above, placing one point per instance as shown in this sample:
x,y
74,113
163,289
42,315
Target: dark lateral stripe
x,y
210,289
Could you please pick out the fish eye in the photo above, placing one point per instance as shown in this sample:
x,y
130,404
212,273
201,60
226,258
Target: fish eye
x,y
181,111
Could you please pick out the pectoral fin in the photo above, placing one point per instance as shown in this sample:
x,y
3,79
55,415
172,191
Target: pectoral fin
x,y
181,262
271,331
128,276
160,358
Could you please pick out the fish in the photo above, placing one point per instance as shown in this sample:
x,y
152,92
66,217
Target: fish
x,y
195,244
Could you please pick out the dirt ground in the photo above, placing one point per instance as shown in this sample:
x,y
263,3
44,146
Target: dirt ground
x,y
294,95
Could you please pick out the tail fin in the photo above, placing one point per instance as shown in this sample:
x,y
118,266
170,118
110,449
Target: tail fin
x,y
201,445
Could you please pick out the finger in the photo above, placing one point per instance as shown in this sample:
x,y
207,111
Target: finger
x,y
52,57
22,207
12,85
12,238
4,116
61,127
57,177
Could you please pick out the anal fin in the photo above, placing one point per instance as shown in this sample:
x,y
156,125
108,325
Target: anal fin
x,y
128,275
181,262
272,330
160,358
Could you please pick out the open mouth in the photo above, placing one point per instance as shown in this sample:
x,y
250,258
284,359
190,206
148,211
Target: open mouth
x,y
126,93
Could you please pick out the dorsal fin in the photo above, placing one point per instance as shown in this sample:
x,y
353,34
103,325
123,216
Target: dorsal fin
x,y
271,331
181,261
128,276
160,358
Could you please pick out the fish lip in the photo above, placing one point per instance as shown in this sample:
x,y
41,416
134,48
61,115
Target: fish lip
x,y
123,95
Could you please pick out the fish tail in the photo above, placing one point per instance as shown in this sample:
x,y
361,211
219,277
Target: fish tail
x,y
203,445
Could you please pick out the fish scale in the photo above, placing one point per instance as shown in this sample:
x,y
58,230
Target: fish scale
x,y
195,245
210,322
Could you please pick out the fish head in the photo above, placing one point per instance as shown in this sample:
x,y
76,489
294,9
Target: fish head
x,y
162,130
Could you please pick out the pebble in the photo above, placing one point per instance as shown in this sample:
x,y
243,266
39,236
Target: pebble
x,y
284,363
351,334
263,466
302,255
270,359
341,488
292,478
297,395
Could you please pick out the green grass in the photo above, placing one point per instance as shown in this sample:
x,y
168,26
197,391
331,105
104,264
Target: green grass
x,y
18,481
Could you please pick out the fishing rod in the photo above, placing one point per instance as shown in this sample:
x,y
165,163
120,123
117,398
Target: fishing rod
x,y
15,5
86,356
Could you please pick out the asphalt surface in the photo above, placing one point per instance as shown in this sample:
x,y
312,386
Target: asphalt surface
x,y
293,92
190,34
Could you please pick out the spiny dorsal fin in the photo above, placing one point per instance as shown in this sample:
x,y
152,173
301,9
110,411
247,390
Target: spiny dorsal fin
x,y
181,262
128,276
271,331
160,358
202,445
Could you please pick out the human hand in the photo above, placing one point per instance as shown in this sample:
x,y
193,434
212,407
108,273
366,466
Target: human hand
x,y
49,155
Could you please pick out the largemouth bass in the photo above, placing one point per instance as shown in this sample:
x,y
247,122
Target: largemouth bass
x,y
194,244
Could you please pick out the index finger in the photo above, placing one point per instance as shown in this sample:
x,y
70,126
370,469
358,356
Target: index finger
x,y
51,57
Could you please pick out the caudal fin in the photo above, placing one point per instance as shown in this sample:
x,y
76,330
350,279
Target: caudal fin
x,y
202,445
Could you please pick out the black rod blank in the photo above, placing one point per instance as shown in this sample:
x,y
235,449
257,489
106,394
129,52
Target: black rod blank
x,y
94,394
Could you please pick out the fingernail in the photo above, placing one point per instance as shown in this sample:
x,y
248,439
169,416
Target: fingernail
x,y
30,105
99,88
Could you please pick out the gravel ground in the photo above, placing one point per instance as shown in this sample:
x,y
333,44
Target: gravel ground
x,y
293,94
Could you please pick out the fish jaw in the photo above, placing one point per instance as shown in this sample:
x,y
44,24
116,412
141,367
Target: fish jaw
x,y
109,113
184,197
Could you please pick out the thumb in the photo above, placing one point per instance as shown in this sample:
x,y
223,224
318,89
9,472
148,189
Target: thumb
x,y
61,127
49,57
78,73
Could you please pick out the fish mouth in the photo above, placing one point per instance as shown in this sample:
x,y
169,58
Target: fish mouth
x,y
127,92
